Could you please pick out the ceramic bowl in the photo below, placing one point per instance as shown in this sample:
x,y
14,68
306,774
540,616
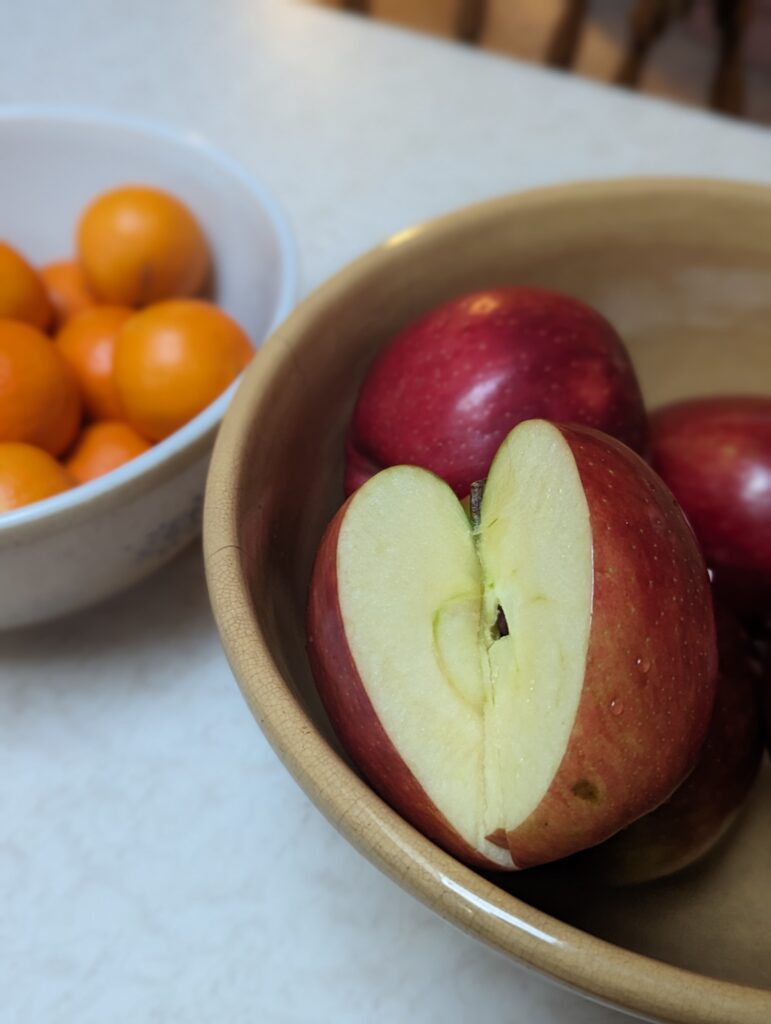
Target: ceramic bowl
x,y
683,268
69,551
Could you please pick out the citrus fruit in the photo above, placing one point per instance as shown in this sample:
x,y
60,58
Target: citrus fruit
x,y
87,342
22,292
40,401
103,447
67,289
174,359
29,474
139,245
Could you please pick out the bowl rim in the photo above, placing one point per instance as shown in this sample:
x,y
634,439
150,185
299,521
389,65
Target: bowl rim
x,y
191,440
599,969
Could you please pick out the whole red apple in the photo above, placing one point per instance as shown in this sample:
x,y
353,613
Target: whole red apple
x,y
762,651
715,455
522,685
699,813
447,389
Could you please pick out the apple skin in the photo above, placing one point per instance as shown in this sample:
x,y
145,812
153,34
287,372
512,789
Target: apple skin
x,y
762,651
449,387
694,819
652,662
715,455
650,672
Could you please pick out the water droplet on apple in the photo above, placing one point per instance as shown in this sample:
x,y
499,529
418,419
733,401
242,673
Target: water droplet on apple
x,y
616,707
644,665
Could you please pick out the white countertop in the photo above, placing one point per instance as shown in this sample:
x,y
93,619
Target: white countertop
x,y
157,863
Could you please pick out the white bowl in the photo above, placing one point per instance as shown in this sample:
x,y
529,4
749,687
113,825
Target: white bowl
x,y
72,550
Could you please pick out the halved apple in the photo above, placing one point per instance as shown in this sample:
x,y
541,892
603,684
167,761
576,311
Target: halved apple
x,y
522,685
687,826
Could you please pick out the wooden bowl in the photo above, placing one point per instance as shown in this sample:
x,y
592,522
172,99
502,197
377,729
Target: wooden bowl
x,y
683,268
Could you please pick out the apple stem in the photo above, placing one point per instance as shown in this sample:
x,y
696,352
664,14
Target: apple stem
x,y
475,503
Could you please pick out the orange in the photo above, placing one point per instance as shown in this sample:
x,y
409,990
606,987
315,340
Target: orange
x,y
174,359
67,289
103,447
87,342
139,245
22,292
29,474
39,396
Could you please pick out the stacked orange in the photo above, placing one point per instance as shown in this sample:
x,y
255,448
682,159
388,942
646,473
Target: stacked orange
x,y
132,353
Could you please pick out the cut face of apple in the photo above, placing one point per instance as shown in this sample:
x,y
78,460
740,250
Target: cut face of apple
x,y
523,686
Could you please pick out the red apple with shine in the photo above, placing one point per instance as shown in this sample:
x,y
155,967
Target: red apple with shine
x,y
715,455
448,388
522,685
700,812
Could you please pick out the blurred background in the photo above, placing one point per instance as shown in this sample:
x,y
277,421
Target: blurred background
x,y
707,53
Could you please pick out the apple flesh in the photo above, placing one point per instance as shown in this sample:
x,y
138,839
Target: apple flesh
x,y
695,818
523,686
448,389
715,455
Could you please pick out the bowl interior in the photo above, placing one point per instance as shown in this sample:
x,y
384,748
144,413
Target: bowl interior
x,y
684,271
54,164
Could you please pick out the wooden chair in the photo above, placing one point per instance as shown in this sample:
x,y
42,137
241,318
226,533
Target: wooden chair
x,y
648,21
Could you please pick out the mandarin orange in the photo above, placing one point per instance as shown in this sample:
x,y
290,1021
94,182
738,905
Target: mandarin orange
x,y
22,293
103,447
40,401
139,245
87,342
172,360
67,289
29,474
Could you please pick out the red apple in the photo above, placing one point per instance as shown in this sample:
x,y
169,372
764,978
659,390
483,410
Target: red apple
x,y
762,650
448,389
699,813
715,455
521,686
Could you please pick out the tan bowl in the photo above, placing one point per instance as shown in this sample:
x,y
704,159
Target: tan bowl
x,y
683,268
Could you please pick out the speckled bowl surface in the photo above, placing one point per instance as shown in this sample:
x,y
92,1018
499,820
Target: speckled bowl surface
x,y
683,268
